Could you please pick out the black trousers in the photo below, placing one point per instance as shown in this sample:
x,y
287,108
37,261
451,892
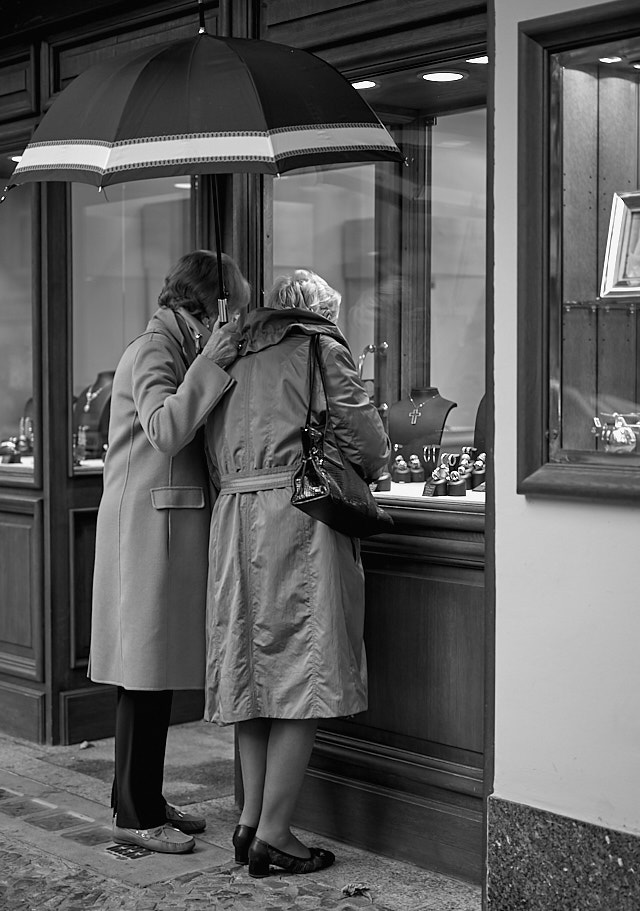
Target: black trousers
x,y
142,723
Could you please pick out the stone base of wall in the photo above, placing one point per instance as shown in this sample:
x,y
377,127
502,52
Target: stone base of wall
x,y
538,861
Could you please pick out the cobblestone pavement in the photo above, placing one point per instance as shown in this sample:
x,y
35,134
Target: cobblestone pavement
x,y
56,850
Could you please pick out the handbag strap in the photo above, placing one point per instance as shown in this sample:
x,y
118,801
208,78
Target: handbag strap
x,y
315,366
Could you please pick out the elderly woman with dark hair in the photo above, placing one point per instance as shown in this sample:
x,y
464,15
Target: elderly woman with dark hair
x,y
286,593
149,586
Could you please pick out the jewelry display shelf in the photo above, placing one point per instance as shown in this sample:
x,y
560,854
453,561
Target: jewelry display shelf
x,y
25,465
411,494
89,466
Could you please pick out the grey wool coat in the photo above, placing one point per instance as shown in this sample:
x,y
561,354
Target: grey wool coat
x,y
285,601
149,583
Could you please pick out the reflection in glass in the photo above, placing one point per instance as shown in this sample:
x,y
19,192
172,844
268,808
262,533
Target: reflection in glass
x,y
125,239
458,231
418,344
324,220
17,430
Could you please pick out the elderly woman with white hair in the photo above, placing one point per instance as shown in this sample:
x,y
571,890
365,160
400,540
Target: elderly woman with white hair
x,y
286,592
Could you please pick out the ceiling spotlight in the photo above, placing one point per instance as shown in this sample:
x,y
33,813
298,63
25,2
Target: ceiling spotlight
x,y
610,59
364,84
483,59
443,76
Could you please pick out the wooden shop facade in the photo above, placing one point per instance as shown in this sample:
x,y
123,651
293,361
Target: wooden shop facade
x,y
80,272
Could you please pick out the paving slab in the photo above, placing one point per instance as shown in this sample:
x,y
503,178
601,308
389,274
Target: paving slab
x,y
79,830
57,853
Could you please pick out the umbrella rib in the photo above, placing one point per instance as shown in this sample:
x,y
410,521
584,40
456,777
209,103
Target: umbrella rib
x,y
266,130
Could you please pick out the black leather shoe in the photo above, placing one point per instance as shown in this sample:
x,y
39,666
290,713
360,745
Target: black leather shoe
x,y
242,838
262,855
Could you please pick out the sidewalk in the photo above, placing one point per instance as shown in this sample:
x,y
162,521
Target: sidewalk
x,y
56,850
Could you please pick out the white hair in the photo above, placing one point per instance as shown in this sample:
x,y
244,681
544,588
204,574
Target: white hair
x,y
307,290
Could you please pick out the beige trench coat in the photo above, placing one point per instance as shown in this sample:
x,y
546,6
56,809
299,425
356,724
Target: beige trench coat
x,y
149,583
286,593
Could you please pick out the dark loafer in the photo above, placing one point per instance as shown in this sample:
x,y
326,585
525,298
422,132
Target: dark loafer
x,y
187,823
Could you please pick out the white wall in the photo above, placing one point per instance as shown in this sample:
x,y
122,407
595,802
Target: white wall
x,y
567,578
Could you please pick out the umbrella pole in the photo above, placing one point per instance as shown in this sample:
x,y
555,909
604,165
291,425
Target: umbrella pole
x,y
223,314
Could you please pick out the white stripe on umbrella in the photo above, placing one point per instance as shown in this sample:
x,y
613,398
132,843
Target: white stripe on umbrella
x,y
106,158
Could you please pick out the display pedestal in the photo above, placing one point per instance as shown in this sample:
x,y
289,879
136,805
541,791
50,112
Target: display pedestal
x,y
416,424
91,412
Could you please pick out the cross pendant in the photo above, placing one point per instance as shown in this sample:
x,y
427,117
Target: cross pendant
x,y
414,415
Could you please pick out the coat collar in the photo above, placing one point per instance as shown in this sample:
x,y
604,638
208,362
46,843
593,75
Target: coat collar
x,y
165,320
265,327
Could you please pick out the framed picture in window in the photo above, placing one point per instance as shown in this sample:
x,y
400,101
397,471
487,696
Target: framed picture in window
x,y
621,272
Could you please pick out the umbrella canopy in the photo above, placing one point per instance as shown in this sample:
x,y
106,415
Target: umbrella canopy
x,y
203,105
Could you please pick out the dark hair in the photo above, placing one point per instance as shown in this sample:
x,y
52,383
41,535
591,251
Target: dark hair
x,y
193,284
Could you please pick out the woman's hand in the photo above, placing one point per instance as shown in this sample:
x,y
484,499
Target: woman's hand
x,y
222,346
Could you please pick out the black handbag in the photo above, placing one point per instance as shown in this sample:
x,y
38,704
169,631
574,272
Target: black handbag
x,y
328,490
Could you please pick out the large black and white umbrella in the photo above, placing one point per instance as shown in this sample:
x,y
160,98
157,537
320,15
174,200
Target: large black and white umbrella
x,y
203,105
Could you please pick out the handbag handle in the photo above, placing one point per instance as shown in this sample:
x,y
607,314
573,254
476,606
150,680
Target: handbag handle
x,y
315,364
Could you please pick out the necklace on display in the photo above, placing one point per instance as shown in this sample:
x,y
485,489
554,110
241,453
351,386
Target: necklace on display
x,y
90,395
417,411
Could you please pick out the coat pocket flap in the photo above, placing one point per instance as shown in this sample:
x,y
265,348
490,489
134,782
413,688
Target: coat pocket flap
x,y
177,497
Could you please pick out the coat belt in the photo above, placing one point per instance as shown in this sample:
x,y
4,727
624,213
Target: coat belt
x,y
260,479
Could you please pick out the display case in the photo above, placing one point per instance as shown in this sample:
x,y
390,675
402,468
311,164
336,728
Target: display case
x,y
124,240
579,294
18,420
405,246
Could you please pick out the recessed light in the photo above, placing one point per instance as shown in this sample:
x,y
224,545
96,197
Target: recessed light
x,y
610,59
483,59
182,186
16,157
443,76
364,84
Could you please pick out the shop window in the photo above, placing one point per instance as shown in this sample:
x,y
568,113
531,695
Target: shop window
x,y
124,240
579,297
405,246
18,430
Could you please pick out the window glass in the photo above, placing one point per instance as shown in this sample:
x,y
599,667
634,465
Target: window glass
x,y
596,385
125,239
458,235
405,246
579,289
17,419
